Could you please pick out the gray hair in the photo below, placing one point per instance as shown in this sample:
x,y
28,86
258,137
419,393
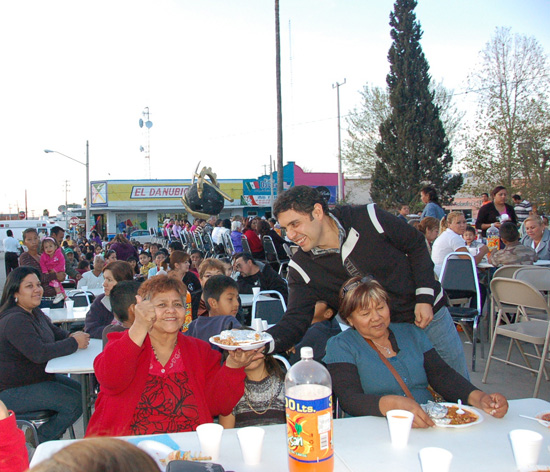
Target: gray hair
x,y
98,257
236,226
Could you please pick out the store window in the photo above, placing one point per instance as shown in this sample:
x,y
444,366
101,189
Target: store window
x,y
128,222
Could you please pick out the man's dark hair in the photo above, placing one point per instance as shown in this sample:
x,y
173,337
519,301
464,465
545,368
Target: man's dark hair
x,y
245,256
122,295
9,233
176,246
154,244
226,223
197,251
215,286
301,199
516,197
56,230
401,205
509,232
486,194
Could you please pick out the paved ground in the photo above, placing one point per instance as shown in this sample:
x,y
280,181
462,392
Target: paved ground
x,y
508,380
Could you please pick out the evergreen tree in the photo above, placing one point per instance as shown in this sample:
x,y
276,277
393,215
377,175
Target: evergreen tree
x,y
414,150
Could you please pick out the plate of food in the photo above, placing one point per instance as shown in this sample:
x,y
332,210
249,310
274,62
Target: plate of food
x,y
543,416
157,450
244,339
445,415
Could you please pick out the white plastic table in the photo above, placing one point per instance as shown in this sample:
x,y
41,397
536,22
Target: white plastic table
x,y
247,299
363,444
79,363
65,317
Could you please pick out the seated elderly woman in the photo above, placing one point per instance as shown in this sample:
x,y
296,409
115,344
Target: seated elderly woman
x,y
28,340
156,380
537,237
358,360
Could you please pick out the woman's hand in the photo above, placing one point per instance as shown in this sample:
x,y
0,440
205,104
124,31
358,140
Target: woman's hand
x,y
396,402
82,338
60,276
145,314
239,358
494,404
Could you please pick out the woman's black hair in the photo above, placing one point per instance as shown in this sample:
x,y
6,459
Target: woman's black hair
x,y
432,194
13,283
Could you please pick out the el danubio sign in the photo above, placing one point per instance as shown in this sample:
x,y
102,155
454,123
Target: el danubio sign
x,y
160,191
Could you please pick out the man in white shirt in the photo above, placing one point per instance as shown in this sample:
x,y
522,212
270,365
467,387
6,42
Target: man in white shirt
x,y
93,278
12,251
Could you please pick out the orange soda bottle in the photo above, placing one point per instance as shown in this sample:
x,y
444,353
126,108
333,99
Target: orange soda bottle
x,y
308,399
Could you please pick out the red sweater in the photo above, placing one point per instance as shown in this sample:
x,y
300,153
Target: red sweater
x,y
13,453
122,370
254,241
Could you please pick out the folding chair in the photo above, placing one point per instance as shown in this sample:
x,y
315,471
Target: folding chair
x,y
208,245
271,310
81,297
228,244
459,274
523,296
271,255
246,246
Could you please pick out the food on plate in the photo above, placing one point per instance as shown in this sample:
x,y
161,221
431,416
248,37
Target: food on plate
x,y
237,337
456,419
184,456
544,417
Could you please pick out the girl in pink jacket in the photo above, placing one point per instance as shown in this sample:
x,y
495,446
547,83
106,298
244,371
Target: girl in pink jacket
x,y
53,260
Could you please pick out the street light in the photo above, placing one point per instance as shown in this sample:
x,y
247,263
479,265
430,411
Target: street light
x,y
87,165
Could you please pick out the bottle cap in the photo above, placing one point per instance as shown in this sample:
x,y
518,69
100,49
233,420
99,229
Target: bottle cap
x,y
306,352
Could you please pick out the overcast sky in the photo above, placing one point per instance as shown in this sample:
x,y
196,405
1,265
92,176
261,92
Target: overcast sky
x,y
74,71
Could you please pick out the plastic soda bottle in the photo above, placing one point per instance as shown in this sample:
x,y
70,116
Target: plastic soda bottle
x,y
493,239
308,399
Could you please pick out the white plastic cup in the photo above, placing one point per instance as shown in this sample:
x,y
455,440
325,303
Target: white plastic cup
x,y
435,459
251,440
69,305
264,325
399,424
257,325
210,438
256,291
526,446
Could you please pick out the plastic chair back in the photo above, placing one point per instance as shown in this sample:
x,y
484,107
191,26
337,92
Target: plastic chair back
x,y
459,273
507,271
538,277
517,293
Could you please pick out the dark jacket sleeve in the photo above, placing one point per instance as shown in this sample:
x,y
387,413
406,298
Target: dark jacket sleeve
x,y
412,242
290,330
97,318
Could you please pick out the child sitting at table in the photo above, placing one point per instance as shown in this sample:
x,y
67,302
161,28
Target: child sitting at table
x,y
514,253
263,402
123,304
207,269
470,238
324,325
221,296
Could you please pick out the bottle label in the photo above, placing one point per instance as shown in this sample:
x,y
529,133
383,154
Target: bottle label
x,y
492,242
309,429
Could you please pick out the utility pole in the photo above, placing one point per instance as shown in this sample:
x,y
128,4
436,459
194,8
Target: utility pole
x,y
340,183
279,102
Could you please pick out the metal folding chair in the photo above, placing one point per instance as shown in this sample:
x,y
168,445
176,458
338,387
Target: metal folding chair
x,y
271,310
81,297
228,244
459,275
246,246
523,297
272,257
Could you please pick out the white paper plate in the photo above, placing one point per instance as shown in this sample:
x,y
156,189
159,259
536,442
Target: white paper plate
x,y
535,468
266,338
156,450
465,408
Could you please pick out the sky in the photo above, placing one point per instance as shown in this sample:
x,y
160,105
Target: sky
x,y
76,71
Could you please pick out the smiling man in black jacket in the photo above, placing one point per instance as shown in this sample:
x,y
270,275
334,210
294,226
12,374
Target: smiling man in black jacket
x,y
359,241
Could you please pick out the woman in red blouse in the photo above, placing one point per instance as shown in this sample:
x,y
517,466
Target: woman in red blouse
x,y
155,380
251,231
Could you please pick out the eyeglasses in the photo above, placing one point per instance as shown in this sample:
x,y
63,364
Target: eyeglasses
x,y
354,285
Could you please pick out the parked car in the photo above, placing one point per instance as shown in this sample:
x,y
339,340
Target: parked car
x,y
141,236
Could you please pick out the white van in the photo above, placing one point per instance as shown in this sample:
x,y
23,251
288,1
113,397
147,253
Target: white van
x,y
18,226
